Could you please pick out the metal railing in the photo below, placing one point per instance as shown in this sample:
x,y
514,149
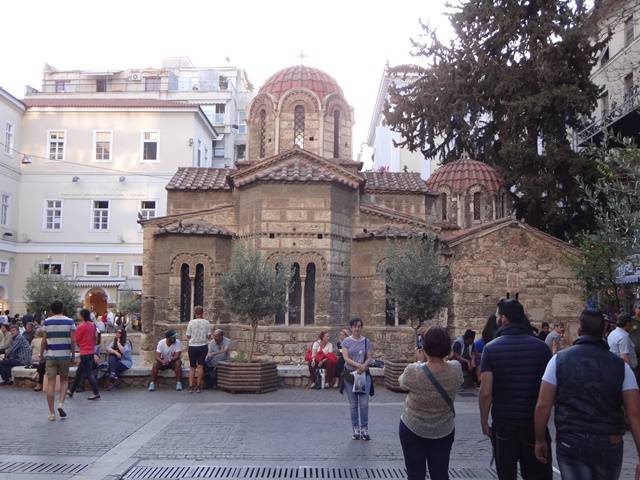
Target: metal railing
x,y
630,102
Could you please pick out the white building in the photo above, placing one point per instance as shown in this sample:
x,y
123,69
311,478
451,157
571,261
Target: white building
x,y
380,142
86,169
222,92
618,72
11,113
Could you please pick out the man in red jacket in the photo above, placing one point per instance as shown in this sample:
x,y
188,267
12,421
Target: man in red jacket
x,y
86,339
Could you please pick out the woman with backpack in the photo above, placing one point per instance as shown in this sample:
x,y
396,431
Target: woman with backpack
x,y
427,424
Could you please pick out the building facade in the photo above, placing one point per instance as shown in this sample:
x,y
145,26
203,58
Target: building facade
x,y
303,202
222,92
89,168
385,155
11,114
618,73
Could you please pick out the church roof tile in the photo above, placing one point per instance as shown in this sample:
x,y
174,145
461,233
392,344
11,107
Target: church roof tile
x,y
194,227
198,178
402,182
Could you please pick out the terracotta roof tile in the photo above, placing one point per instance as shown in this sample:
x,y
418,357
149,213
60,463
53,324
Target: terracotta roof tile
x,y
403,182
193,227
201,179
104,103
464,173
319,82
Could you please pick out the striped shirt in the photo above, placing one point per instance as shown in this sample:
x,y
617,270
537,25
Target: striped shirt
x,y
58,330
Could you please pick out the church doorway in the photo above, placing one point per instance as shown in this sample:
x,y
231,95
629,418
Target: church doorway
x,y
96,298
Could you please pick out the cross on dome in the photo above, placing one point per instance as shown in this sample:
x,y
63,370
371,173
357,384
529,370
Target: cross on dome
x,y
302,56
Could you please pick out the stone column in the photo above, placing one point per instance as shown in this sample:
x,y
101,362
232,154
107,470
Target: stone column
x,y
302,282
120,269
75,269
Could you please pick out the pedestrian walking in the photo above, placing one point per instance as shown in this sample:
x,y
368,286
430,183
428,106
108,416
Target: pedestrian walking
x,y
85,337
589,386
511,370
620,342
356,379
57,349
198,334
427,426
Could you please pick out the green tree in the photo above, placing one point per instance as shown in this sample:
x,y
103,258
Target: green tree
x,y
416,278
42,289
615,200
253,290
507,89
130,303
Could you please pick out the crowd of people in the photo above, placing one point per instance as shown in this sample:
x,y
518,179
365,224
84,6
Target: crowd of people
x,y
521,372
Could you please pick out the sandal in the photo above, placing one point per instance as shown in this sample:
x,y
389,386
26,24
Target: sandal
x,y
37,388
198,389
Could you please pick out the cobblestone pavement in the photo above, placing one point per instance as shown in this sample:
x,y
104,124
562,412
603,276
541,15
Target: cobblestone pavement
x,y
288,427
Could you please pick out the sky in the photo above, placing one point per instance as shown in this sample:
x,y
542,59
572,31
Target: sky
x,y
349,39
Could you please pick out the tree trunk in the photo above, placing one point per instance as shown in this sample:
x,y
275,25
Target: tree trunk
x,y
254,331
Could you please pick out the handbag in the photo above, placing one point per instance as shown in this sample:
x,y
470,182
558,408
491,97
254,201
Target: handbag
x,y
439,388
308,355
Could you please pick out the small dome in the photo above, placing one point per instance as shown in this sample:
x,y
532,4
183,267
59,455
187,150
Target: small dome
x,y
461,174
319,82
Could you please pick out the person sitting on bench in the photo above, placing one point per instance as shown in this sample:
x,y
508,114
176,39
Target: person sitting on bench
x,y
168,354
218,352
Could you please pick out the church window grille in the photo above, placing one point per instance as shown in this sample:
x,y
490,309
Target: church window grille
x,y
198,294
185,293
262,133
444,206
298,126
336,134
476,206
310,294
295,295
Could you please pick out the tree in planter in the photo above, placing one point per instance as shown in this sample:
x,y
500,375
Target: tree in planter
x,y
41,289
419,284
253,290
615,240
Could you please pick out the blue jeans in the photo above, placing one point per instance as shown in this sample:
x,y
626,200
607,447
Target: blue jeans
x,y
583,456
116,367
419,452
85,369
6,366
359,403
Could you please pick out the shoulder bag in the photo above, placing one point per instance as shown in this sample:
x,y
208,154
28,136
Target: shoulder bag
x,y
438,386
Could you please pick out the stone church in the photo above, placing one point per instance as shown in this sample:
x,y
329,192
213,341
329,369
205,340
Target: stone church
x,y
301,199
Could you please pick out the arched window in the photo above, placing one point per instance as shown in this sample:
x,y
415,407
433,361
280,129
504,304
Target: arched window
x,y
280,316
444,206
262,133
336,133
198,293
476,206
295,295
185,293
310,295
298,126
389,305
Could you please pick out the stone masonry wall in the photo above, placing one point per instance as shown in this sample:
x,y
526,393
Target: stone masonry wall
x,y
514,259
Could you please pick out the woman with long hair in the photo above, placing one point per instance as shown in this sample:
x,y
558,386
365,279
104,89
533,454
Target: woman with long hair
x,y
488,332
322,357
119,356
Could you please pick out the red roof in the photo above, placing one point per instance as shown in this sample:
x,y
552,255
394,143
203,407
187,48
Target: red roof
x,y
464,173
319,82
105,103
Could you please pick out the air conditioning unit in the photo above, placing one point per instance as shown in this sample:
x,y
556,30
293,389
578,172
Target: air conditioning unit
x,y
135,77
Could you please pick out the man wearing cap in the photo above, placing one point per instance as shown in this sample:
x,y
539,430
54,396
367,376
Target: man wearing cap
x,y
512,366
167,358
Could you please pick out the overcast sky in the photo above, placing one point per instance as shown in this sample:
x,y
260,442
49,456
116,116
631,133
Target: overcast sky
x,y
349,39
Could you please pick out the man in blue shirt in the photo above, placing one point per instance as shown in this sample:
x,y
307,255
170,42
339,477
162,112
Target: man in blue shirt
x,y
511,370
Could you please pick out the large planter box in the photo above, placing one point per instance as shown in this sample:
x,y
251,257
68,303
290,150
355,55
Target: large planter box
x,y
392,371
255,377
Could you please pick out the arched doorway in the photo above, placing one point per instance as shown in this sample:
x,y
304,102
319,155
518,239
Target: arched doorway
x,y
96,298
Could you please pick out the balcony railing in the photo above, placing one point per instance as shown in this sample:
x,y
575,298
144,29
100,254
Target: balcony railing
x,y
630,102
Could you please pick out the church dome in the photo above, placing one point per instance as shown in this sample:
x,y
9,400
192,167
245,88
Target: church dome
x,y
462,174
319,82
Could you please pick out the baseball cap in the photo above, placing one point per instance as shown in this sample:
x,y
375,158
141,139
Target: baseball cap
x,y
171,334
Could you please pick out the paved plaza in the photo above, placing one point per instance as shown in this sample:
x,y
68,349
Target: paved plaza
x,y
291,433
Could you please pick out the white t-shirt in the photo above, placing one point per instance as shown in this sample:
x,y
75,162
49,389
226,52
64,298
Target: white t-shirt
x,y
110,317
629,382
166,351
620,343
198,332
